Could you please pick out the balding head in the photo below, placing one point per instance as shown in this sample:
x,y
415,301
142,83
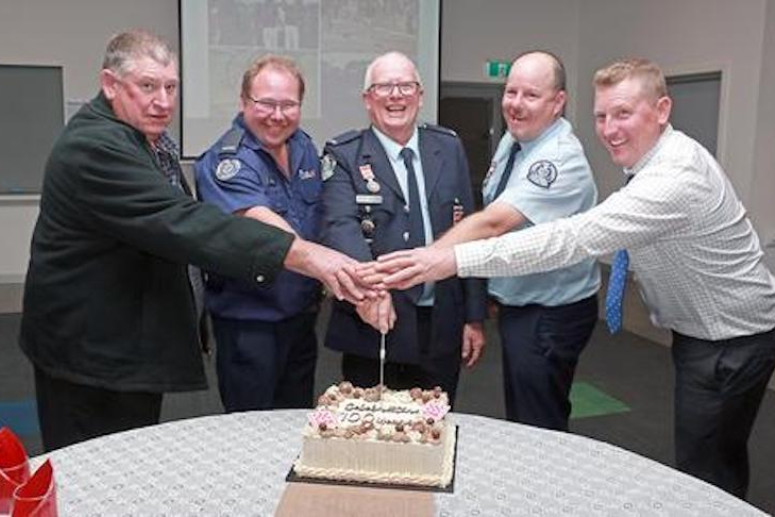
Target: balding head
x,y
534,96
548,59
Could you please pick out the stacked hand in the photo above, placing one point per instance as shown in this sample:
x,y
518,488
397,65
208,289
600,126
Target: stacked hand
x,y
366,285
378,312
406,268
339,273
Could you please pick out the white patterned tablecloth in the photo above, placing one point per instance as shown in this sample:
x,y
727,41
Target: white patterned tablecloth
x,y
235,465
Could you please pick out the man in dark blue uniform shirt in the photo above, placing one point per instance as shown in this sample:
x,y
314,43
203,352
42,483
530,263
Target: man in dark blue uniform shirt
x,y
393,186
266,168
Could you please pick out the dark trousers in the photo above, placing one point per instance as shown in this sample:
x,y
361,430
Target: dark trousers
x,y
70,413
265,365
430,372
718,390
541,347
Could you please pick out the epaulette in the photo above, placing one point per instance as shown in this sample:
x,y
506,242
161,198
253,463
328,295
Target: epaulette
x,y
230,142
305,133
439,129
345,137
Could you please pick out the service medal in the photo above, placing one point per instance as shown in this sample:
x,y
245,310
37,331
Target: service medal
x,y
368,226
366,172
327,166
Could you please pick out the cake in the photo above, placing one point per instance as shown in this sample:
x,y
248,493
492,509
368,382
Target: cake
x,y
379,436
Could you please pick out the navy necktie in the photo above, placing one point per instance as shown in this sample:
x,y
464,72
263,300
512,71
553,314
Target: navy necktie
x,y
416,227
515,148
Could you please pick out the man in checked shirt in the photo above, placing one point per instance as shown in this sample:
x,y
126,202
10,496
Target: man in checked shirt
x,y
697,257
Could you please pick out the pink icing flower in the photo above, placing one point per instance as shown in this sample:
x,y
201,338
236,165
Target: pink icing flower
x,y
434,410
322,416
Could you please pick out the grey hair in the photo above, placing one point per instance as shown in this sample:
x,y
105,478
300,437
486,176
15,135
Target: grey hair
x,y
367,78
127,47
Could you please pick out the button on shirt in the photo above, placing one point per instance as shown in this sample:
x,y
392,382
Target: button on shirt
x,y
695,253
572,191
257,181
393,151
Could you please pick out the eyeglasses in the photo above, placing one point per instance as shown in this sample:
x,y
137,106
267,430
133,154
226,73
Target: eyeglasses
x,y
384,89
268,106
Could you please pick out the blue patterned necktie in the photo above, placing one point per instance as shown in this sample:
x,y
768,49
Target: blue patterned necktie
x,y
615,295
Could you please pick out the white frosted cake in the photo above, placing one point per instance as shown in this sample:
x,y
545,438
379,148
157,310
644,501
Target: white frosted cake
x,y
401,437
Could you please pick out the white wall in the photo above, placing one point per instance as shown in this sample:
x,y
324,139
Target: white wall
x,y
681,36
476,31
71,33
762,207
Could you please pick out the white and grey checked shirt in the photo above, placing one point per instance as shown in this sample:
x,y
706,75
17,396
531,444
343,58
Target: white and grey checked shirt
x,y
695,253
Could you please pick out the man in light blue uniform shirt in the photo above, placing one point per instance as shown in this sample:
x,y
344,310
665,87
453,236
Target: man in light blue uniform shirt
x,y
539,173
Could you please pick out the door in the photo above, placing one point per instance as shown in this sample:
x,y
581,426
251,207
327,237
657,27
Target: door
x,y
473,111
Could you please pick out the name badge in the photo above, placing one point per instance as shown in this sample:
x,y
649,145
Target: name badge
x,y
368,199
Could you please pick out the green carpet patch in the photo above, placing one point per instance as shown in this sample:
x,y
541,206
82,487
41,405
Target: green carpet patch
x,y
588,401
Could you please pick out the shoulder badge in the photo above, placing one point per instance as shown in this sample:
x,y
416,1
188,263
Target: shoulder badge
x,y
542,173
327,166
439,129
345,137
227,169
230,142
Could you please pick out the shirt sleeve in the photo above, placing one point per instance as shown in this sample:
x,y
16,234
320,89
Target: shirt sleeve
x,y
552,183
233,190
650,207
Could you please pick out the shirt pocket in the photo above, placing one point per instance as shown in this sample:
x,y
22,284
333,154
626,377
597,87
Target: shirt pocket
x,y
278,199
310,190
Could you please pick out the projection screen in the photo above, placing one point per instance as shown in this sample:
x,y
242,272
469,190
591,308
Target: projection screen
x,y
331,40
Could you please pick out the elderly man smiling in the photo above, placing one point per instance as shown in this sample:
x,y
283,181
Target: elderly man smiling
x,y
395,185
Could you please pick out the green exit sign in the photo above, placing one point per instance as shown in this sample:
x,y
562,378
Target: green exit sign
x,y
497,69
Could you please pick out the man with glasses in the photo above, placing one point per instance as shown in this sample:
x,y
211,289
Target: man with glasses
x,y
109,320
265,168
392,186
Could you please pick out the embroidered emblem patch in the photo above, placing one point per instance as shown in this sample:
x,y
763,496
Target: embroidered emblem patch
x,y
307,174
542,173
227,169
327,166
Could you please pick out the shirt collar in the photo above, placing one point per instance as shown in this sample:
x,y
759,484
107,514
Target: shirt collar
x,y
393,148
549,132
167,144
632,171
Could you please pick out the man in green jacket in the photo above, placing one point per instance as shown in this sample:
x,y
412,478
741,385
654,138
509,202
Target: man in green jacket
x,y
109,319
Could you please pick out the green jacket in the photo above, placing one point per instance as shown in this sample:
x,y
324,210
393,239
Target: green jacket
x,y
107,301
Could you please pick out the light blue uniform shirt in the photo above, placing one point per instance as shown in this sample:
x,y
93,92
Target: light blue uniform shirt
x,y
550,179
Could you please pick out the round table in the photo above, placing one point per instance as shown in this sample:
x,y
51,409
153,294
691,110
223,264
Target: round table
x,y
236,464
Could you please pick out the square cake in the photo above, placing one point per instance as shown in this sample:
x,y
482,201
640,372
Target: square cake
x,y
379,436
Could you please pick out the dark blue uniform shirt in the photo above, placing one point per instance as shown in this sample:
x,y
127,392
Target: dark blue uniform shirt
x,y
238,173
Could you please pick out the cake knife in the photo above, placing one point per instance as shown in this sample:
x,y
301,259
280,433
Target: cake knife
x,y
381,364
